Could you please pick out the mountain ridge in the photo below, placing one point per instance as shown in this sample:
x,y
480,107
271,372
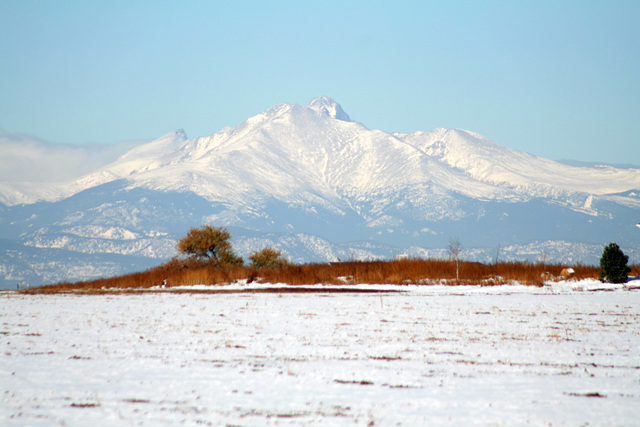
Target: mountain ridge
x,y
295,174
487,163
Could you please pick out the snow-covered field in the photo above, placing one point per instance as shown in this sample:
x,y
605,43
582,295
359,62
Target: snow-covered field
x,y
431,355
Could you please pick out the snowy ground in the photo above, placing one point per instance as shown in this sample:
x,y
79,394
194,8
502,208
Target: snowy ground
x,y
567,354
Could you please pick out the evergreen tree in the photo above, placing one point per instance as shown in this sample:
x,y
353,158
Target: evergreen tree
x,y
613,265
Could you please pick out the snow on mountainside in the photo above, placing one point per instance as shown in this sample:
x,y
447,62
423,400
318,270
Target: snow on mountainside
x,y
489,162
300,154
319,186
316,154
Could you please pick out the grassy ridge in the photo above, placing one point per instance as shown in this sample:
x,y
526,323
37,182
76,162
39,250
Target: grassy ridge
x,y
179,272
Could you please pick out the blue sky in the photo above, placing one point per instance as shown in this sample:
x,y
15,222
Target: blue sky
x,y
560,79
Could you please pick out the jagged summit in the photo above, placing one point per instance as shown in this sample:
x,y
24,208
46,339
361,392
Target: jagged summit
x,y
327,106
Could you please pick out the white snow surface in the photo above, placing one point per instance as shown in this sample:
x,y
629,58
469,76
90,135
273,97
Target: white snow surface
x,y
491,163
316,154
564,354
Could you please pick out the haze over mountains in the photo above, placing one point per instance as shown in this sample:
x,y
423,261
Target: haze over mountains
x,y
320,187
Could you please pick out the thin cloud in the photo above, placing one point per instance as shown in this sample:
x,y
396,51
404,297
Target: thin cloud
x,y
26,158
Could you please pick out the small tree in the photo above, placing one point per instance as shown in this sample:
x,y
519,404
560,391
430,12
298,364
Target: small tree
x,y
267,258
455,249
209,242
613,265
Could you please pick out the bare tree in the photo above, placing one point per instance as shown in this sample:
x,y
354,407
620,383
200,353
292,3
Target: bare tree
x,y
455,249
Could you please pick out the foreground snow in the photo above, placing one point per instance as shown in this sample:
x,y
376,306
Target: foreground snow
x,y
508,355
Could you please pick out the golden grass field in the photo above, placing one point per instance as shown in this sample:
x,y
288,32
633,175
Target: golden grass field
x,y
185,272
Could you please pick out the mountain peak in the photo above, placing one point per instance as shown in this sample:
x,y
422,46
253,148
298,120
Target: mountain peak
x,y
327,106
178,134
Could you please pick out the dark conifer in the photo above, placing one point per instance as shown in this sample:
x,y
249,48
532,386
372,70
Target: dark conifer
x,y
613,265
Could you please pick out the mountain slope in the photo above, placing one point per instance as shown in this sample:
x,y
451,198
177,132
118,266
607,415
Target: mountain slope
x,y
321,187
491,163
292,152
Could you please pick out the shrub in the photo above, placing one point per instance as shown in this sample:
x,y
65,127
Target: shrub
x,y
613,265
268,258
228,257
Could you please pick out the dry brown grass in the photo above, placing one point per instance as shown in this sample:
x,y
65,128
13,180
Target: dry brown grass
x,y
420,271
178,272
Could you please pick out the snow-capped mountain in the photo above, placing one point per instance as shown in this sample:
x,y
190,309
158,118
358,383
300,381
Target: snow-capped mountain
x,y
320,186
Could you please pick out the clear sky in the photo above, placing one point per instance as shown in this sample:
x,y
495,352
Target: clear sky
x,y
560,79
